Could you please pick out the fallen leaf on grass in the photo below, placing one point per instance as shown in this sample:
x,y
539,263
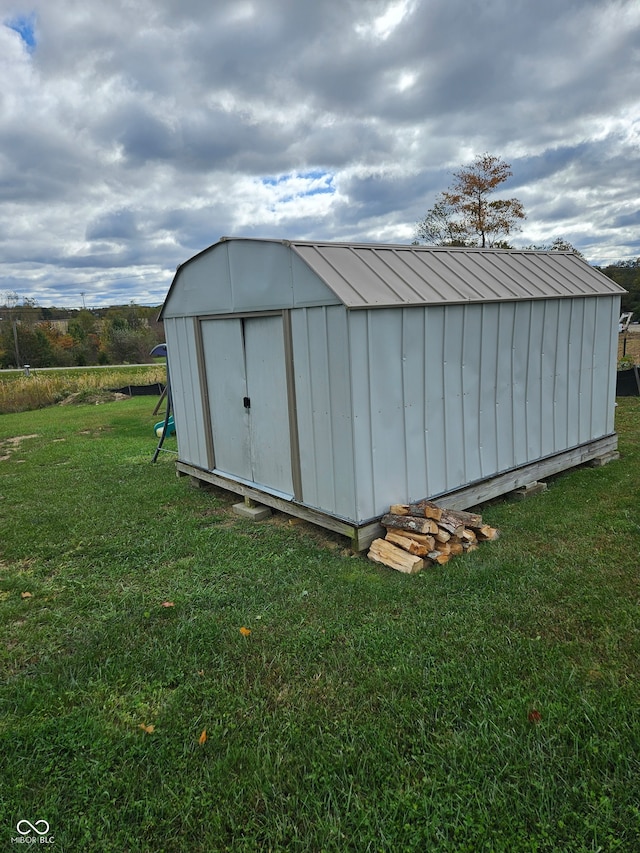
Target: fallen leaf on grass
x,y
534,716
203,737
147,729
168,604
245,631
26,595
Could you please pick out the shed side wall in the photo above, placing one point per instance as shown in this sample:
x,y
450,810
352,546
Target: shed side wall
x,y
445,396
186,391
320,338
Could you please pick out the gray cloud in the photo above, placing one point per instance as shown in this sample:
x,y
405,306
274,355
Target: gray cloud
x,y
113,225
133,134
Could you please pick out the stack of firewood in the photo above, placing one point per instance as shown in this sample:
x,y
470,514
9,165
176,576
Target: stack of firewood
x,y
423,534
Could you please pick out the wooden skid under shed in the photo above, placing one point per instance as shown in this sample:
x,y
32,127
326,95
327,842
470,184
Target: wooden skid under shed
x,y
362,536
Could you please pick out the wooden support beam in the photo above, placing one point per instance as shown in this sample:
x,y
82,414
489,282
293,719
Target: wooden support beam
x,y
529,490
362,534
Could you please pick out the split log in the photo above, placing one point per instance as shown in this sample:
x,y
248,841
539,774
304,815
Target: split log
x,y
409,522
468,519
400,509
390,555
430,510
455,548
437,557
410,545
421,509
468,535
423,539
486,532
450,523
442,536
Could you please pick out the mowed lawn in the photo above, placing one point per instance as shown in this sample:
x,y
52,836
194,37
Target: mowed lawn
x,y
177,679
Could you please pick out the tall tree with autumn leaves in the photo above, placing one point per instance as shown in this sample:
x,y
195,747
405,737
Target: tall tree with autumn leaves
x,y
467,215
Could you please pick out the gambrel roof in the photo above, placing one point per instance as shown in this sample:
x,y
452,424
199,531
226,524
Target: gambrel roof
x,y
238,274
364,276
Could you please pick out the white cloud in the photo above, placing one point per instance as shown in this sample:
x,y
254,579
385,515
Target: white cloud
x,y
132,135
383,25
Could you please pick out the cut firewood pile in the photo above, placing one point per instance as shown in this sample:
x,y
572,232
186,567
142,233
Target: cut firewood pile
x,y
424,534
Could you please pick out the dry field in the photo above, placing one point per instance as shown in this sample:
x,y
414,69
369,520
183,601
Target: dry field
x,y
629,344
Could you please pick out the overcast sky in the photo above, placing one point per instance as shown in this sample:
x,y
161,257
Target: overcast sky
x,y
134,133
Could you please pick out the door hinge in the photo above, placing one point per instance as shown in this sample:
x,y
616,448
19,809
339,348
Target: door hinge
x,y
247,402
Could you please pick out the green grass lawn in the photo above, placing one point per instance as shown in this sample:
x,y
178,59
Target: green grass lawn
x,y
491,704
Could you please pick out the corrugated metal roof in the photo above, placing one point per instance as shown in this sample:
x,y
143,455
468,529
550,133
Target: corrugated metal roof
x,y
378,275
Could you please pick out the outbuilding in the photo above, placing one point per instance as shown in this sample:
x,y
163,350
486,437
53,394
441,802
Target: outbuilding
x,y
329,380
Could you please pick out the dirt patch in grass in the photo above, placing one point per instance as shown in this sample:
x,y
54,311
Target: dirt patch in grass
x,y
93,397
10,445
18,439
629,345
97,431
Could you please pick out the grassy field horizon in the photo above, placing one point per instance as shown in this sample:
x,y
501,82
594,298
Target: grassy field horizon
x,y
45,387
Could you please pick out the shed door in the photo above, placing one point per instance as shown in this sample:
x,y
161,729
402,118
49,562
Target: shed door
x,y
247,386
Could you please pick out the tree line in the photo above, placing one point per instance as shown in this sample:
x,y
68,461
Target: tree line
x,y
627,275
53,337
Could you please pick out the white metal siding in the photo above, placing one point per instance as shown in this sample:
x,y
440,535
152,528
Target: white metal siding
x,y
324,409
227,385
201,286
237,276
260,276
448,395
185,391
269,407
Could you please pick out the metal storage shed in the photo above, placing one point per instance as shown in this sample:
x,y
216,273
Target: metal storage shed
x,y
329,380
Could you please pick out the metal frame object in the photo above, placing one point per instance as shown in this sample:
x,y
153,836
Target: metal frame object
x,y
160,351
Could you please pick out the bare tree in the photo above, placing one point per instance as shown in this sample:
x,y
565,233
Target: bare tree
x,y
440,226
